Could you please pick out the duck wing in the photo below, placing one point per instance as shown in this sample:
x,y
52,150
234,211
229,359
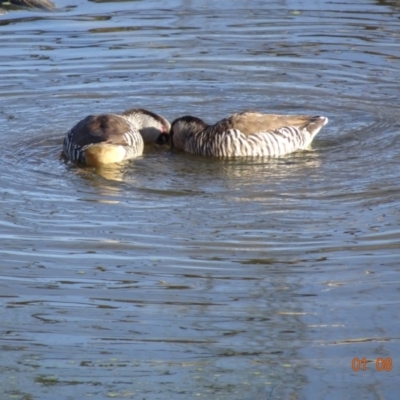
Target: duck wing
x,y
250,123
41,4
106,128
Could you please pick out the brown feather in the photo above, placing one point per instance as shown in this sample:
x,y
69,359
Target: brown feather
x,y
107,128
42,4
252,122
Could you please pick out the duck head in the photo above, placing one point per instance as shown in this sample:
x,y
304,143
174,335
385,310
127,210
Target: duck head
x,y
181,130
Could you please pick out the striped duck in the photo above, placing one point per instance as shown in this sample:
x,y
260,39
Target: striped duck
x,y
244,134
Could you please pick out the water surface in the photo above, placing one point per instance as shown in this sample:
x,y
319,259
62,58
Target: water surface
x,y
175,276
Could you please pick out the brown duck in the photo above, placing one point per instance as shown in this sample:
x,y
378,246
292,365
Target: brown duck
x,y
111,138
244,134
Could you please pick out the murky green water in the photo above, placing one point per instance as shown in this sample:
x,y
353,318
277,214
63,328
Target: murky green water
x,y
179,277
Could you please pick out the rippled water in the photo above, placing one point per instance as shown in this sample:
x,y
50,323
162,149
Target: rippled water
x,y
175,276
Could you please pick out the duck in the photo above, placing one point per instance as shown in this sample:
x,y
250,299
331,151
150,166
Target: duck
x,y
46,5
111,138
244,134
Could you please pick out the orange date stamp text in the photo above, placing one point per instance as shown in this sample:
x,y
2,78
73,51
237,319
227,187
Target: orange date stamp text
x,y
381,364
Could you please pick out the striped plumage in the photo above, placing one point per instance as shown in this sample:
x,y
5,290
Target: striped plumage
x,y
47,5
110,138
245,134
